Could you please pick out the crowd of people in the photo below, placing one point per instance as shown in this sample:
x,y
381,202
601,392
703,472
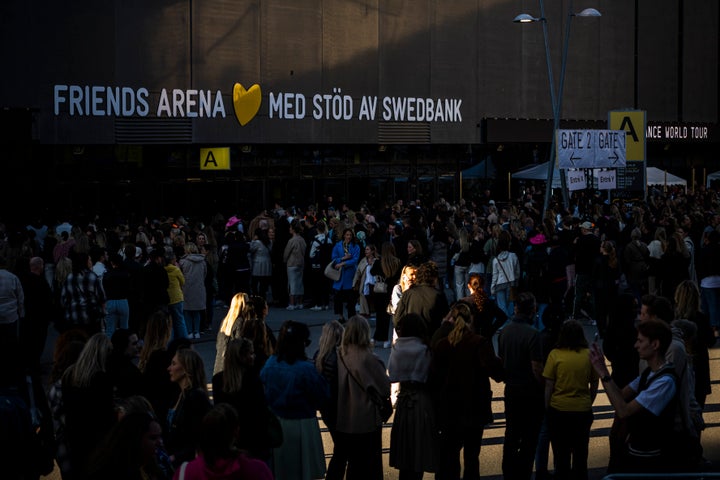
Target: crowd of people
x,y
127,396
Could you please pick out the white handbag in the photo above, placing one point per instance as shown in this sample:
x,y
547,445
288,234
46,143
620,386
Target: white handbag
x,y
333,273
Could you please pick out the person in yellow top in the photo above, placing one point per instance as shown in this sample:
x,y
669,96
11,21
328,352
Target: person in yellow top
x,y
176,280
571,385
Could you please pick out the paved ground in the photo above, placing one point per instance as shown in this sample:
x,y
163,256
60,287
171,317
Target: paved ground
x,y
491,453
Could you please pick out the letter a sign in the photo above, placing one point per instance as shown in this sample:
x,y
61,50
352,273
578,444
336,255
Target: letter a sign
x,y
215,158
633,122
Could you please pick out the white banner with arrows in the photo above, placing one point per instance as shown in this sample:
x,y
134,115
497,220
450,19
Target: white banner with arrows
x,y
590,148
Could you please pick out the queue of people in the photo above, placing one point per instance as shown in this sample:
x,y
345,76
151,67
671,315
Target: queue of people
x,y
441,282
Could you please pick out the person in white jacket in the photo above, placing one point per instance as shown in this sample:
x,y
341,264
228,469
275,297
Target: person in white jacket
x,y
505,274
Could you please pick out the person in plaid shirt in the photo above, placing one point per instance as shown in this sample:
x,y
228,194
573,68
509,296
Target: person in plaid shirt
x,y
82,296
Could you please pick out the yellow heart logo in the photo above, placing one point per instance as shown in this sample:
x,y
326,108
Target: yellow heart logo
x,y
246,102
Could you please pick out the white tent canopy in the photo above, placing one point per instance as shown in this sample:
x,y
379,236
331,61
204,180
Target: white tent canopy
x,y
712,176
538,172
655,176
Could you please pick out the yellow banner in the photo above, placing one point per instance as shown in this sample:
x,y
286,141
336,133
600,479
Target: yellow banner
x,y
215,158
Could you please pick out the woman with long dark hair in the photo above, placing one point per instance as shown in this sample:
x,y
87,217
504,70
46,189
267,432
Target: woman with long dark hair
x,y
295,391
388,268
571,385
487,317
239,385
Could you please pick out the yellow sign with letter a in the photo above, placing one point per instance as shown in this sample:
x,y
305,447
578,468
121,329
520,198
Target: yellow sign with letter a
x,y
215,158
633,122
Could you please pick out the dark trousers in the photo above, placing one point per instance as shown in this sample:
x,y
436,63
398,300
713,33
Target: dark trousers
x,y
569,436
524,414
361,452
348,298
318,287
452,440
260,286
382,318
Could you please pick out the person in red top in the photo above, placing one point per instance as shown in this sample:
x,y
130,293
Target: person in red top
x,y
217,458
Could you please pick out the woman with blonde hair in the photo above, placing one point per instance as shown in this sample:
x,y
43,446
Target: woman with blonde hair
x,y
359,424
364,281
231,326
182,427
463,363
687,307
155,357
87,400
326,362
157,335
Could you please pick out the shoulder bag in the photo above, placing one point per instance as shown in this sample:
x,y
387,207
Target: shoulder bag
x,y
383,405
333,273
380,284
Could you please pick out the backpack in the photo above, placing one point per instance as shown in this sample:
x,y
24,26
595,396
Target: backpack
x,y
323,253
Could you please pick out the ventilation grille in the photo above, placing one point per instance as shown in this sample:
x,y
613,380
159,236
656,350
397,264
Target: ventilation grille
x,y
153,130
403,132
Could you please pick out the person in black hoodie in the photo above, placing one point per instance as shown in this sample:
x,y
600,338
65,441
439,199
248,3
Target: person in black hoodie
x,y
124,374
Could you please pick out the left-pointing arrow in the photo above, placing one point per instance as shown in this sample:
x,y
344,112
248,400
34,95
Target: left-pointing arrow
x,y
573,158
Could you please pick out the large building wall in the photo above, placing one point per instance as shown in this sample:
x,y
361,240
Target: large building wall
x,y
467,50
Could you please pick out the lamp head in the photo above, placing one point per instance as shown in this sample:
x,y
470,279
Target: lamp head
x,y
589,12
526,18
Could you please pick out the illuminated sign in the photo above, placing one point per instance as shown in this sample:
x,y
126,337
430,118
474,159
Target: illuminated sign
x,y
101,101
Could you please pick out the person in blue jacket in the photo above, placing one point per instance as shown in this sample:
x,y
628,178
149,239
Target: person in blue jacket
x,y
345,256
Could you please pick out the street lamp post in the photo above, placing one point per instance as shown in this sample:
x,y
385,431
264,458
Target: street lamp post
x,y
556,100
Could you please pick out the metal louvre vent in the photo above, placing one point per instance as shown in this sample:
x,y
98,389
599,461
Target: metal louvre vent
x,y
138,130
403,132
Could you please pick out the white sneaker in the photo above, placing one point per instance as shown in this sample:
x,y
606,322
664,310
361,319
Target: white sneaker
x,y
316,308
290,307
197,335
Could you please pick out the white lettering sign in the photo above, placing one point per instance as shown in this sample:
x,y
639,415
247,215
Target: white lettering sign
x,y
590,148
677,132
607,179
576,180
98,101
